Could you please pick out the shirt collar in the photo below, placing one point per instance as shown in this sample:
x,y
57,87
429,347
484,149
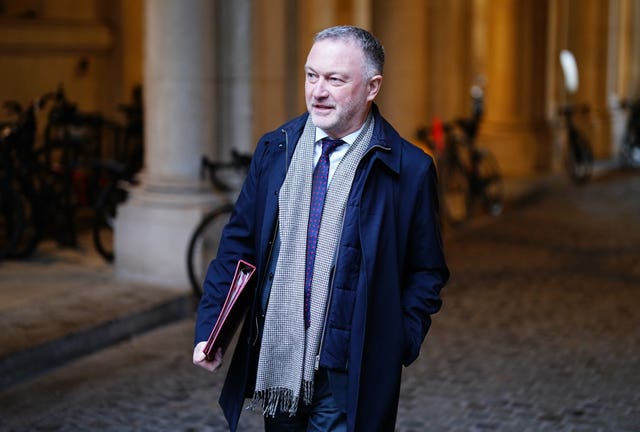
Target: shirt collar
x,y
349,139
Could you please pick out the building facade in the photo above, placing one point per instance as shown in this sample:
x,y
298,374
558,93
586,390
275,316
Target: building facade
x,y
218,73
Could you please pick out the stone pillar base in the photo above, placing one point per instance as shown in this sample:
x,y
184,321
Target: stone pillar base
x,y
152,233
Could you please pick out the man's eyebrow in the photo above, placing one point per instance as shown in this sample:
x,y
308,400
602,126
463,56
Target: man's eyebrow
x,y
330,73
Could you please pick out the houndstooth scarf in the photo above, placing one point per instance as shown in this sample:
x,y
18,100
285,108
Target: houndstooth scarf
x,y
287,355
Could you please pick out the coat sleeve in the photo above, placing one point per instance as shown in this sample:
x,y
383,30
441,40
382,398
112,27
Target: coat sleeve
x,y
426,271
237,242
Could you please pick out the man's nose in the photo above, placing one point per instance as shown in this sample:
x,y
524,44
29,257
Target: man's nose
x,y
320,89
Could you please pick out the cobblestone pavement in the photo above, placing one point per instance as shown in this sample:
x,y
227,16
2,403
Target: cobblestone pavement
x,y
539,332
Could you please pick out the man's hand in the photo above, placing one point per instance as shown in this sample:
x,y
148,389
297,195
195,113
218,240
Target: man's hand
x,y
200,359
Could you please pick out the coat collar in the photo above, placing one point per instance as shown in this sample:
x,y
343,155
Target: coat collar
x,y
386,141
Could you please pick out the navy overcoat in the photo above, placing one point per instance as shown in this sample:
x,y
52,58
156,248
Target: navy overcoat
x,y
389,271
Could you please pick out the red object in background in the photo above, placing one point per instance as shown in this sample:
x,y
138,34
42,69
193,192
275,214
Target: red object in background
x,y
437,134
80,179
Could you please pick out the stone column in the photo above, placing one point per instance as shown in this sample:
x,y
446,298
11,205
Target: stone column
x,y
514,126
450,58
627,83
589,36
362,13
153,226
275,64
234,55
624,63
313,16
634,72
402,28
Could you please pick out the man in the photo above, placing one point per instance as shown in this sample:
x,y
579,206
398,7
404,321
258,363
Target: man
x,y
340,216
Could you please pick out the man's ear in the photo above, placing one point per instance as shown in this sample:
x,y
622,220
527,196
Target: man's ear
x,y
373,87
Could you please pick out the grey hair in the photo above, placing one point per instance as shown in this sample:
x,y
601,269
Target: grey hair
x,y
370,45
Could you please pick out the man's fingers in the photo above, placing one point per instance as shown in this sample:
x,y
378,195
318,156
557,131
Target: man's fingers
x,y
218,355
198,353
200,359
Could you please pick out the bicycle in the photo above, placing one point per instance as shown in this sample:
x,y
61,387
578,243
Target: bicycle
x,y
44,176
204,241
578,157
101,183
57,179
468,175
119,176
15,205
20,204
630,149
74,151
115,191
71,156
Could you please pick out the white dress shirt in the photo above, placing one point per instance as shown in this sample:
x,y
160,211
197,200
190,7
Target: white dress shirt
x,y
336,156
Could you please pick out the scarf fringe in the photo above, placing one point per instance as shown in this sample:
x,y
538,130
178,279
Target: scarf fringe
x,y
307,392
280,399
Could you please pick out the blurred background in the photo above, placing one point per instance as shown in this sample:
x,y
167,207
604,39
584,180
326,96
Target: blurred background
x,y
126,127
214,75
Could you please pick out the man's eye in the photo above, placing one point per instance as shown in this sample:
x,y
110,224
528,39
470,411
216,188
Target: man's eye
x,y
336,81
312,77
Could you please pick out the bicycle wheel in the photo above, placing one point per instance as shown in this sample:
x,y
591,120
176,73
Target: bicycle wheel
x,y
489,178
20,231
579,159
104,218
455,193
11,221
203,245
631,149
26,225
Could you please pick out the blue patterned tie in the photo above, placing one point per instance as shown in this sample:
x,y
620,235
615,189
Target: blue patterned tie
x,y
318,191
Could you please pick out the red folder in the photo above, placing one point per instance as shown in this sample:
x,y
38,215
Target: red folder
x,y
232,312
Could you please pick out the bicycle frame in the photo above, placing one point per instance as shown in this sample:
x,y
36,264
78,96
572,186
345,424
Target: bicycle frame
x,y
579,154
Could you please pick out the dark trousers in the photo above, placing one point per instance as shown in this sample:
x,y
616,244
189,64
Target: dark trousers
x,y
323,415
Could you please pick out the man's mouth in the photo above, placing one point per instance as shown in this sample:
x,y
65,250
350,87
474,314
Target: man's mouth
x,y
322,108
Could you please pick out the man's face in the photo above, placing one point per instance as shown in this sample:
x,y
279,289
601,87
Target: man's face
x,y
337,93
